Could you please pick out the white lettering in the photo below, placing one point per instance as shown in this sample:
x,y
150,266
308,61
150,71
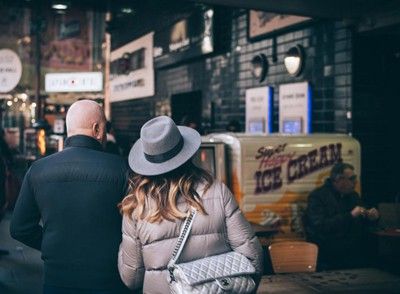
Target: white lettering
x,y
176,46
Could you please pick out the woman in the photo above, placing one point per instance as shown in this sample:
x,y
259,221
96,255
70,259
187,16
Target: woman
x,y
5,163
166,185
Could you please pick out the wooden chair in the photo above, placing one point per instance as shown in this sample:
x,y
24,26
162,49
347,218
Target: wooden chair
x,y
293,256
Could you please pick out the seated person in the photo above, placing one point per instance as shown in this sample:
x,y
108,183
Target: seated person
x,y
337,221
192,122
233,126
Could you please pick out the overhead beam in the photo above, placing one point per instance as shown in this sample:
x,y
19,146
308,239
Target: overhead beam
x,y
312,8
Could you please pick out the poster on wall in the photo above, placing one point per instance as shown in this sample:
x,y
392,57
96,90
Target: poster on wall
x,y
132,72
67,41
295,108
259,110
261,23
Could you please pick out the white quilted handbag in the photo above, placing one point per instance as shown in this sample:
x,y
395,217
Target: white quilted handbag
x,y
225,273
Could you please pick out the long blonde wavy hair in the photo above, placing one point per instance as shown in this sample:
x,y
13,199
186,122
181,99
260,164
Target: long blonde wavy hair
x,y
164,190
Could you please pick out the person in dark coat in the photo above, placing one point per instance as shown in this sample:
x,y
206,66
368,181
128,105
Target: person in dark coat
x,y
233,126
337,221
67,208
4,155
5,162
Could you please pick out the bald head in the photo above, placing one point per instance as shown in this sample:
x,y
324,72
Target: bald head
x,y
86,117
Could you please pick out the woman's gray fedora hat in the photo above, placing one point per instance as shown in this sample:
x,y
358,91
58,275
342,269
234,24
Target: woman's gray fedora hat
x,y
162,147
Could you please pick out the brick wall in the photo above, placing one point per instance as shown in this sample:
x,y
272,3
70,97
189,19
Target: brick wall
x,y
224,78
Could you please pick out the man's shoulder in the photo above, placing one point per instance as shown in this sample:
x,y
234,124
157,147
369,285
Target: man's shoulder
x,y
319,192
63,167
81,155
48,160
110,157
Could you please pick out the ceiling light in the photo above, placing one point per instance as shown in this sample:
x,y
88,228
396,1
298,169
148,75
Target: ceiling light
x,y
59,6
127,10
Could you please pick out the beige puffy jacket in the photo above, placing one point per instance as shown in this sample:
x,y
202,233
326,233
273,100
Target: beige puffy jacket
x,y
147,247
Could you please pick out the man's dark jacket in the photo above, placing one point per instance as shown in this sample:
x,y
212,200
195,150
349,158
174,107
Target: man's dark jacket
x,y
328,223
75,193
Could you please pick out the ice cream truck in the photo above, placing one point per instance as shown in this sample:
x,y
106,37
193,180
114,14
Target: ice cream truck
x,y
272,175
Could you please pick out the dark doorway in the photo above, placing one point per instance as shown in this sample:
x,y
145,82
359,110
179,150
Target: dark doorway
x,y
186,109
376,112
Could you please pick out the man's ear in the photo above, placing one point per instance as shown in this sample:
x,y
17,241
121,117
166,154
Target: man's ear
x,y
95,130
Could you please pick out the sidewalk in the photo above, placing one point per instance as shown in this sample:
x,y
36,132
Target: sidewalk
x,y
20,271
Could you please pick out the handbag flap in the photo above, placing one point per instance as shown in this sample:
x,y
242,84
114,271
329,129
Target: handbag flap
x,y
214,267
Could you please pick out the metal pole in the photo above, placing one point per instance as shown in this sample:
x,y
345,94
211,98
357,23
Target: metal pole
x,y
38,37
107,60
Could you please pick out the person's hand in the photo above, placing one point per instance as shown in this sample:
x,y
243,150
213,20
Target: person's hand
x,y
358,211
372,214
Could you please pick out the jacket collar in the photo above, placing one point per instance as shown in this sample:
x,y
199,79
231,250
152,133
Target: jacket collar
x,y
337,194
83,141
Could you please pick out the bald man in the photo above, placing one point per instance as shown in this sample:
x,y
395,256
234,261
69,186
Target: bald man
x,y
67,208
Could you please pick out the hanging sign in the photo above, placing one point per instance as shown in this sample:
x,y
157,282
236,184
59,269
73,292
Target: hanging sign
x,y
74,82
132,72
186,39
10,70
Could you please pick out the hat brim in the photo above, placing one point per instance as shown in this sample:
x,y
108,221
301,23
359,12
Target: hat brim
x,y
140,165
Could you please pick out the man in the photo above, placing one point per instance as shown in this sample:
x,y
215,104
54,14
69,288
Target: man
x,y
3,175
3,203
337,221
75,194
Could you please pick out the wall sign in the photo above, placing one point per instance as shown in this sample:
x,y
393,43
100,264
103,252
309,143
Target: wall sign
x,y
263,23
132,72
69,29
259,110
74,82
10,70
188,38
295,108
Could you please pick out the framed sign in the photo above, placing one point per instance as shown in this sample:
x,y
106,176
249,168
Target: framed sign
x,y
132,71
261,24
295,108
188,38
259,110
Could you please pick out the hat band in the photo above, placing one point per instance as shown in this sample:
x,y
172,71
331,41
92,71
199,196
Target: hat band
x,y
159,158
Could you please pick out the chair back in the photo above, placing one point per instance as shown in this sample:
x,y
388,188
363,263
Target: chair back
x,y
389,215
293,256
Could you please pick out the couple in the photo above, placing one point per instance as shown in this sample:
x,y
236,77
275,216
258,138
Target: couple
x,y
67,208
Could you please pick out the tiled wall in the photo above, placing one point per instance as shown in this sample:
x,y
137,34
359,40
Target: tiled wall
x,y
127,119
223,79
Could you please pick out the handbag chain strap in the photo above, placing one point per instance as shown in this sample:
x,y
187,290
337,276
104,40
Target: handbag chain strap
x,y
180,243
